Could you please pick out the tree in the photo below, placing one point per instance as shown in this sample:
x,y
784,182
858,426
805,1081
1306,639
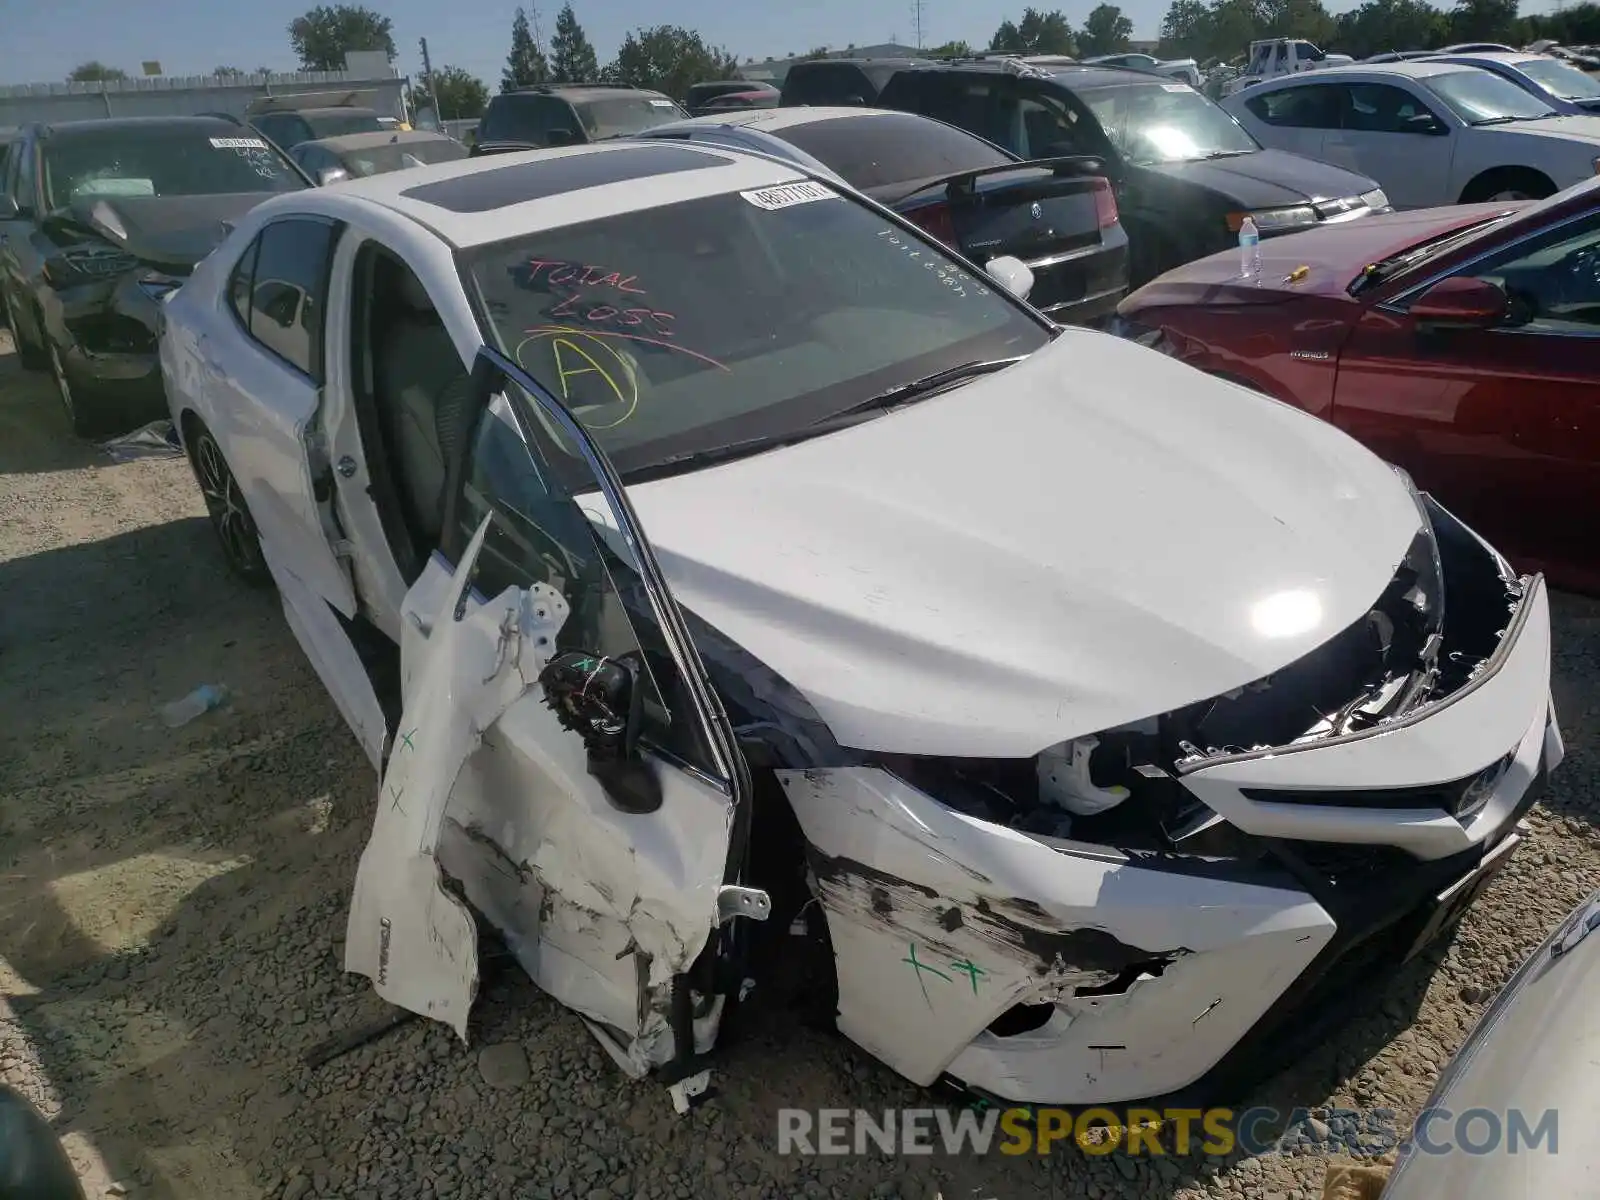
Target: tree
x,y
94,71
671,60
226,72
526,64
1037,33
1186,29
454,94
1484,21
328,32
1297,19
1105,31
1380,26
572,58
814,54
952,50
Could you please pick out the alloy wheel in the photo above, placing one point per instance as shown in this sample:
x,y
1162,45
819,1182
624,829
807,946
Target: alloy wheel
x,y
230,516
1510,194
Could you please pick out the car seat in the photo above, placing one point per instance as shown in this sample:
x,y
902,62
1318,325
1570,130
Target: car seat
x,y
415,363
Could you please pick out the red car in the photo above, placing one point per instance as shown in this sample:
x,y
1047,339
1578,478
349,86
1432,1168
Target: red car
x,y
1461,344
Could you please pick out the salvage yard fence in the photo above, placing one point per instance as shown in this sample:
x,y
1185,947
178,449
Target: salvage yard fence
x,y
170,96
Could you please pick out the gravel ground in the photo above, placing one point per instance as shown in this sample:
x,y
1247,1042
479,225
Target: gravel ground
x,y
172,906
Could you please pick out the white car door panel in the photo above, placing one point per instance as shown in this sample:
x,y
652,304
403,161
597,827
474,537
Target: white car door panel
x,y
605,902
268,408
332,654
1382,136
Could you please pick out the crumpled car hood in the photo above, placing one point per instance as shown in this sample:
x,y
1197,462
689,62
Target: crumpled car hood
x,y
169,231
1093,536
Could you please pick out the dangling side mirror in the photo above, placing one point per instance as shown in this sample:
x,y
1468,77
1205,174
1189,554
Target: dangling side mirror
x,y
600,699
1012,274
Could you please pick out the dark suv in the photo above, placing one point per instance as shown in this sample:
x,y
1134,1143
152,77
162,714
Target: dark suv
x,y
1186,173
569,115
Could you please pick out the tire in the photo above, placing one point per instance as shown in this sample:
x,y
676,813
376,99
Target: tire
x,y
1508,183
85,417
225,505
29,354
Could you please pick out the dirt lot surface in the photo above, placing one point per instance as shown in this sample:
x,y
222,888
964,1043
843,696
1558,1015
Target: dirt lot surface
x,y
172,906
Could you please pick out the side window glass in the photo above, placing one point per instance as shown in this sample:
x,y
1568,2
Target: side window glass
x,y
239,283
1552,286
288,291
1313,107
25,189
1048,130
1379,108
541,534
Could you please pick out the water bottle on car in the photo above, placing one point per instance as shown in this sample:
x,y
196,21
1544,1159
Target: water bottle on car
x,y
1249,250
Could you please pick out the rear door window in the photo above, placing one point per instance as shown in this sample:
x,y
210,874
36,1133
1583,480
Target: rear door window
x,y
828,83
527,118
1315,106
872,152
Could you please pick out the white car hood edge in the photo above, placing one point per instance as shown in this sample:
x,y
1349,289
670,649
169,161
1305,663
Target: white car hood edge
x,y
1091,537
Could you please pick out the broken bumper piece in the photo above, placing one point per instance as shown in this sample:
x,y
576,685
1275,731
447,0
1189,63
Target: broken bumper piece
x,y
1036,969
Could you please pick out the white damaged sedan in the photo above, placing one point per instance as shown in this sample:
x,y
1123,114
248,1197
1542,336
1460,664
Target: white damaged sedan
x,y
740,596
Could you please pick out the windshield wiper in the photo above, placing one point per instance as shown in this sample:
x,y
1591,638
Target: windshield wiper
x,y
694,460
1502,120
1224,154
916,389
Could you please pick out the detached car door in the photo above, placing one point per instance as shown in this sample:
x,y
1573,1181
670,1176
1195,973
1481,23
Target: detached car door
x,y
1502,423
562,758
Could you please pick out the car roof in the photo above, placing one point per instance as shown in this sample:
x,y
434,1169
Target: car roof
x,y
347,142
1069,75
583,91
134,124
772,120
1508,58
1415,69
472,201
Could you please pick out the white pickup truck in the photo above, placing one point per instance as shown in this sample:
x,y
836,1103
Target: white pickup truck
x,y
1273,57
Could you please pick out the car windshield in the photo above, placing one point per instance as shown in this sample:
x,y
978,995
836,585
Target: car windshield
x,y
396,156
694,326
878,151
1561,79
327,125
1165,122
619,116
162,160
1480,98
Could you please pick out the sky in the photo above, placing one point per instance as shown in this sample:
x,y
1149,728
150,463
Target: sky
x,y
41,42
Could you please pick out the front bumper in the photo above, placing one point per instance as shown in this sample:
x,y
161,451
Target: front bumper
x,y
108,335
1038,970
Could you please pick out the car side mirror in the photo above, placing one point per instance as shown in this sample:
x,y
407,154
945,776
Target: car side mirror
x,y
33,1163
331,175
1012,274
1425,123
8,208
560,137
1460,302
600,699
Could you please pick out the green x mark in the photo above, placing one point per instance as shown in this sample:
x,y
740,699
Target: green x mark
x,y
972,970
405,740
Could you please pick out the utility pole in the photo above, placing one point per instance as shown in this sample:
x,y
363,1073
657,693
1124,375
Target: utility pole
x,y
427,74
916,20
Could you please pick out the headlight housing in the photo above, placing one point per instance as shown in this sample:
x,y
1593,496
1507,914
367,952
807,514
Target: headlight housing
x,y
1376,200
1275,220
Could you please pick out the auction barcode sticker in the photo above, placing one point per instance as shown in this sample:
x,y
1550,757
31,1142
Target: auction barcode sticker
x,y
789,194
238,144
661,104
1176,87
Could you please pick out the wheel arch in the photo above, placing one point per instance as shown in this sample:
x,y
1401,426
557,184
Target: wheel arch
x,y
1481,186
